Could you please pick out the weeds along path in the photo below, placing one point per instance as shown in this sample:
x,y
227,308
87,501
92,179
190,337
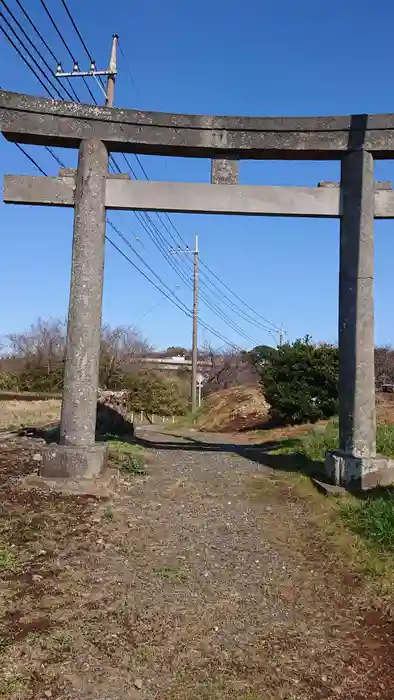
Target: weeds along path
x,y
207,578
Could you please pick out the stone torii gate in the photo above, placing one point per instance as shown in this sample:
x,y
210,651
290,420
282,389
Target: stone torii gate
x,y
96,131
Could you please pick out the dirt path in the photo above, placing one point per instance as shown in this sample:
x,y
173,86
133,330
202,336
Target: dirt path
x,y
207,579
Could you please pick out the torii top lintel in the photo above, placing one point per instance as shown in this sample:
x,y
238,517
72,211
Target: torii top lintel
x,y
42,121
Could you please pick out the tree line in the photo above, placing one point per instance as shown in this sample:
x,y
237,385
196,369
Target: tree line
x,y
33,360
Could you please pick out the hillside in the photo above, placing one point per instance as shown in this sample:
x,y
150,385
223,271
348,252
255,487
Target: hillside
x,y
233,409
243,407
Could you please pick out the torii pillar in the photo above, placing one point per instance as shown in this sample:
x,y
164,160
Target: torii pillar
x,y
356,465
77,455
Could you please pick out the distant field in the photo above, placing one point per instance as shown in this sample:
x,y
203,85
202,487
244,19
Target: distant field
x,y
239,408
20,414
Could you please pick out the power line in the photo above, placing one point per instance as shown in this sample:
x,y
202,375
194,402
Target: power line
x,y
62,164
53,154
115,165
48,48
239,299
245,316
211,305
148,219
188,313
176,301
151,223
151,270
160,243
30,42
25,153
36,30
183,242
60,35
171,296
58,32
153,234
29,54
136,88
89,55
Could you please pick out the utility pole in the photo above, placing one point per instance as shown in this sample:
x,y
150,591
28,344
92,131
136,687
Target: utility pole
x,y
94,73
195,328
109,101
195,320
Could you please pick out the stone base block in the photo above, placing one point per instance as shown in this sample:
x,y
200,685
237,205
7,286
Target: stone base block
x,y
67,461
358,473
102,487
329,489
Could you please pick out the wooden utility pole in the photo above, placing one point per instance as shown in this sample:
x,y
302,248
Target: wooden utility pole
x,y
195,328
109,101
187,250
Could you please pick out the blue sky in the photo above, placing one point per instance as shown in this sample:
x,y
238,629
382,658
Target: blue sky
x,y
278,57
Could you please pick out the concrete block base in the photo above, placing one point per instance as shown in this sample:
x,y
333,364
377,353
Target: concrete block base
x,y
358,473
329,489
67,461
102,487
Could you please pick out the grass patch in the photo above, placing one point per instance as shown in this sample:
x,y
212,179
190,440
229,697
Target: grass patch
x,y
128,457
7,560
10,686
385,439
321,439
171,574
143,653
124,548
317,442
134,466
61,642
188,420
372,519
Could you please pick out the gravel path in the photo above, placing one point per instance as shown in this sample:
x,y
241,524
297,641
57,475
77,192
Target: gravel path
x,y
207,579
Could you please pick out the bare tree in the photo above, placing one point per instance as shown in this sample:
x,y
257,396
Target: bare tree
x,y
228,369
121,349
384,366
42,346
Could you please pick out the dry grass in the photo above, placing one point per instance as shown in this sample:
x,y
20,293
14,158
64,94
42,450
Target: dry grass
x,y
22,414
232,409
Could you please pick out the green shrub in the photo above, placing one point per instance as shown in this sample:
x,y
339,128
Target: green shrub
x,y
9,381
35,379
299,381
39,379
157,395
